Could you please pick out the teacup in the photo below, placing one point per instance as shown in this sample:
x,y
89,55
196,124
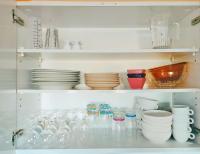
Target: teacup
x,y
183,129
183,136
182,110
182,121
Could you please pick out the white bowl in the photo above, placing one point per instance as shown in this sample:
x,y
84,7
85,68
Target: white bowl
x,y
159,124
157,116
157,128
156,137
146,103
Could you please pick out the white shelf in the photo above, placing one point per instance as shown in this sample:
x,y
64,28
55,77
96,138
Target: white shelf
x,y
108,54
177,50
111,150
111,3
133,141
22,91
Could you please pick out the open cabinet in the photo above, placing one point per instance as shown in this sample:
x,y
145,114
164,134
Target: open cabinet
x,y
96,37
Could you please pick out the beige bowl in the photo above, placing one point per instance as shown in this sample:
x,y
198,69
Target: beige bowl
x,y
96,82
105,86
102,75
102,79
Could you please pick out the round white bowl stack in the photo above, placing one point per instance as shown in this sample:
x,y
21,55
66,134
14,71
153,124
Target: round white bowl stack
x,y
181,123
156,125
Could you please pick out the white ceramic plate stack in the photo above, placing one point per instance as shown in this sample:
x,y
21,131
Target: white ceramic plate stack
x,y
181,123
102,81
55,79
156,125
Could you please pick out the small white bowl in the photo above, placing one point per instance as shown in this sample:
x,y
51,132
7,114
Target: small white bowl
x,y
156,137
146,103
157,128
157,116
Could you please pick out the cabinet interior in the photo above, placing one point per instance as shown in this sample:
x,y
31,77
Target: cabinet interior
x,y
114,39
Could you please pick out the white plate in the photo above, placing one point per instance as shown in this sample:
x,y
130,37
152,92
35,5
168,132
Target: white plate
x,y
54,70
55,80
54,74
55,85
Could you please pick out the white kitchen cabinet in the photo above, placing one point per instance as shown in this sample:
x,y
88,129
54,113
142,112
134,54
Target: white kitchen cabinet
x,y
115,36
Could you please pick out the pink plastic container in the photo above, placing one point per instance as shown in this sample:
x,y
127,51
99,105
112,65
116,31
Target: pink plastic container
x,y
136,83
136,71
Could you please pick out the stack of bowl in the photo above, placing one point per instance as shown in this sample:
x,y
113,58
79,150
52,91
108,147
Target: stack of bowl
x,y
156,125
136,78
102,81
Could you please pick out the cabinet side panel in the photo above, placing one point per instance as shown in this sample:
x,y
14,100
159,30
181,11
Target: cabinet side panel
x,y
7,76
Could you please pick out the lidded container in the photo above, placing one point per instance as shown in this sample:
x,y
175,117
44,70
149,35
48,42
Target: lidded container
x,y
130,119
92,109
118,120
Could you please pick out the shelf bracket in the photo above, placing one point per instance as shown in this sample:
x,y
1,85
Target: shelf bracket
x,y
195,21
16,134
17,19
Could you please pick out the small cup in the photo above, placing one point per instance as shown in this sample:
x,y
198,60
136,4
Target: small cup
x,y
182,137
182,110
181,121
183,129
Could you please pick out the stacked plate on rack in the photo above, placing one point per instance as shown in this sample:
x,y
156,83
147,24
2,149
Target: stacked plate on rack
x,y
102,81
55,79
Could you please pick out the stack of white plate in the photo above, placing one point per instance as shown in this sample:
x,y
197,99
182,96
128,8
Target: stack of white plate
x,y
156,125
55,79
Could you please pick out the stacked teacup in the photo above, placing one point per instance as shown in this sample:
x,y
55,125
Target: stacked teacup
x,y
181,123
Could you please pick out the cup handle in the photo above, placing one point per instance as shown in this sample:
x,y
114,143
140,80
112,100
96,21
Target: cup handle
x,y
139,124
192,136
189,129
191,121
191,112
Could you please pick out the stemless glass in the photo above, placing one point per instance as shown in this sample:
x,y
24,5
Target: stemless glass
x,y
160,31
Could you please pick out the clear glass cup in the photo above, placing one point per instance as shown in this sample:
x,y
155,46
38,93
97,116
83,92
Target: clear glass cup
x,y
160,31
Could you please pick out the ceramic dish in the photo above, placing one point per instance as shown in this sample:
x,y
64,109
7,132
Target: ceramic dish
x,y
136,75
156,127
157,116
135,71
136,83
103,86
156,137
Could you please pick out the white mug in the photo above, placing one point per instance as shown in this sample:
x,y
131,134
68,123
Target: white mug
x,y
183,129
182,121
183,136
183,110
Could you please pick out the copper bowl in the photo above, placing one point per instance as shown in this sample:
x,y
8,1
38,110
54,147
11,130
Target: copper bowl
x,y
168,75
